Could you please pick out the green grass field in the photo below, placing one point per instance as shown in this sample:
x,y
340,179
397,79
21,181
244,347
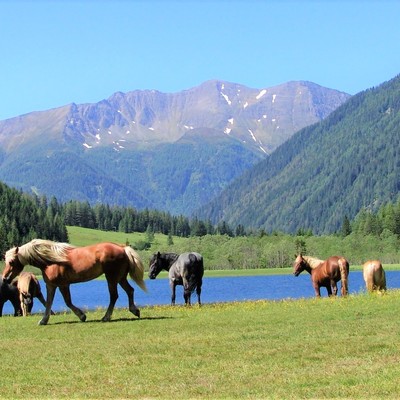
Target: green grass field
x,y
303,349
292,349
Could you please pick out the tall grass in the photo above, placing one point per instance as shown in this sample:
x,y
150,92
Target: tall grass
x,y
326,348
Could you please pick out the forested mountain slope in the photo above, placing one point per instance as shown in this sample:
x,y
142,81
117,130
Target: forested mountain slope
x,y
324,172
24,217
166,151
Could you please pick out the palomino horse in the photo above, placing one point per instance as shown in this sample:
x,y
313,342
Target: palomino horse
x,y
28,287
324,273
186,269
62,264
374,276
9,293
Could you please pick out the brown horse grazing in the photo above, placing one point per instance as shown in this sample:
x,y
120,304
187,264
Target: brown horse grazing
x,y
28,288
374,276
324,273
62,264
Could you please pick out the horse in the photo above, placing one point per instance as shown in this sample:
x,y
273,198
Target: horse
x,y
374,276
63,264
9,293
28,287
186,269
324,273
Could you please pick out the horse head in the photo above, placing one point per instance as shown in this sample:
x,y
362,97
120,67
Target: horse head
x,y
298,265
155,265
13,265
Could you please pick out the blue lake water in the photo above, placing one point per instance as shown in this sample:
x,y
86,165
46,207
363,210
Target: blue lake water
x,y
94,294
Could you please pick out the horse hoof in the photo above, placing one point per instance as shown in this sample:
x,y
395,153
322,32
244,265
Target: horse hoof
x,y
105,319
137,313
83,318
42,322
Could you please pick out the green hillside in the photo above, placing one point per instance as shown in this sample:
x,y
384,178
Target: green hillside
x,y
324,172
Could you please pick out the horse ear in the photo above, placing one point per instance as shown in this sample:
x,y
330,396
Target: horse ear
x,y
16,250
158,254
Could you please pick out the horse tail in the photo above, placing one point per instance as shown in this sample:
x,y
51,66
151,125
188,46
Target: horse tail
x,y
195,278
344,272
136,268
368,274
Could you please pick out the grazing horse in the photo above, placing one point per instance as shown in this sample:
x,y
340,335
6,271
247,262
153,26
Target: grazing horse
x,y
62,264
28,287
9,293
374,276
324,273
186,269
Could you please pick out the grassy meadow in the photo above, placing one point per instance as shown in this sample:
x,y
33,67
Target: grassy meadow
x,y
290,349
303,349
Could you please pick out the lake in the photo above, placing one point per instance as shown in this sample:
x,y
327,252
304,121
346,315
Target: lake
x,y
94,294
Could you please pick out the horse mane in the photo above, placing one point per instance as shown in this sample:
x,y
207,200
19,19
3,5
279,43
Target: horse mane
x,y
42,252
24,281
312,261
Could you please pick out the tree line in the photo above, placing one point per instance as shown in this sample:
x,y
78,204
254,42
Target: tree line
x,y
24,217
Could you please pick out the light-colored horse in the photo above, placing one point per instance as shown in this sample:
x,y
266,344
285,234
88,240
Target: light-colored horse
x,y
28,288
374,276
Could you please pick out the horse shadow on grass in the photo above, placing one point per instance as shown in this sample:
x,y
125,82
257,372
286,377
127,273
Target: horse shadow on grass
x,y
124,319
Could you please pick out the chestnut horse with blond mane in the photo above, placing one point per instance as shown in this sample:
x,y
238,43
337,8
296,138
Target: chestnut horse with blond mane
x,y
324,273
374,276
62,264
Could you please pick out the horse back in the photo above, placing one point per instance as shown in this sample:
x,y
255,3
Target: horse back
x,y
334,263
188,267
374,275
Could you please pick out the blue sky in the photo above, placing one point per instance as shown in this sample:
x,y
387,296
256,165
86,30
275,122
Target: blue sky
x,y
58,52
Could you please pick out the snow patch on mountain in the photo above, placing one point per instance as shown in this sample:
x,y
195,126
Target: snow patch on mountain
x,y
261,94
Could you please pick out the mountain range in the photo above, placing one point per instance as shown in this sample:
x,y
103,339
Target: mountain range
x,y
325,172
147,149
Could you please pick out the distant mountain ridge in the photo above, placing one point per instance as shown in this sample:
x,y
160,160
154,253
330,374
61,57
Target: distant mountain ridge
x,y
323,173
170,151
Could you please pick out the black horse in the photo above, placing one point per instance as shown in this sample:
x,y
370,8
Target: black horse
x,y
186,269
9,292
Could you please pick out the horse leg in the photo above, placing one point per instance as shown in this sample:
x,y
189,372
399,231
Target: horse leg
x,y
112,289
42,300
334,288
198,291
186,296
130,292
173,292
317,290
186,292
66,294
1,309
51,291
23,305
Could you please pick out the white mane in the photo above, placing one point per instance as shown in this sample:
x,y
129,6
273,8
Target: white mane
x,y
40,252
312,261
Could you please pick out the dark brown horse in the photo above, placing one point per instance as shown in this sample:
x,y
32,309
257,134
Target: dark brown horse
x,y
9,293
374,276
62,264
324,273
